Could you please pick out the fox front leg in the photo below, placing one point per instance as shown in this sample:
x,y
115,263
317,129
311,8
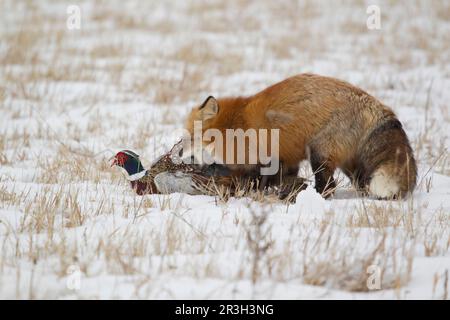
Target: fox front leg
x,y
323,170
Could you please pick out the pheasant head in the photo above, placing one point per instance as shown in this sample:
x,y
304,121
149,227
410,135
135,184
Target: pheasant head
x,y
130,162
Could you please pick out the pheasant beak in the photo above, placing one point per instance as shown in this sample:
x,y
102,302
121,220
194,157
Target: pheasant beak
x,y
113,161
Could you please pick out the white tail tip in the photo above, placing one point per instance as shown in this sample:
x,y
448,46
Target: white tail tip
x,y
382,185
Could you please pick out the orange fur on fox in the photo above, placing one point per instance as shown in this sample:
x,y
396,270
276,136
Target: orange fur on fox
x,y
335,123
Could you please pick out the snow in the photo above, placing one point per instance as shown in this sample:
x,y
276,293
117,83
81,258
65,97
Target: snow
x,y
309,202
70,226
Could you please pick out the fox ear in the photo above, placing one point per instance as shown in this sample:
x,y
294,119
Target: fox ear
x,y
209,108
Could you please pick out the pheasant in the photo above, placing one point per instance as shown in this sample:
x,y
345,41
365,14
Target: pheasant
x,y
169,174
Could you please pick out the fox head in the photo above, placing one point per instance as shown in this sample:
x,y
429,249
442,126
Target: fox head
x,y
220,115
227,136
206,113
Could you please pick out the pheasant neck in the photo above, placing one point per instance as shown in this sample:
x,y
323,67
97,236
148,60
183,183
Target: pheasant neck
x,y
133,167
137,176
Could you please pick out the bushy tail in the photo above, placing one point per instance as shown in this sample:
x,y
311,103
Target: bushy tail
x,y
390,169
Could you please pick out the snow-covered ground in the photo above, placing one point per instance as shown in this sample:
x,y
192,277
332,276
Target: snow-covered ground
x,y
70,227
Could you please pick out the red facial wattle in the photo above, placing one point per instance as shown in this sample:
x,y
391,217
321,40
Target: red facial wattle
x,y
120,159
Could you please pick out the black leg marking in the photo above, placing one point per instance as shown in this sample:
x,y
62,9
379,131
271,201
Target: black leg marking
x,y
323,173
291,186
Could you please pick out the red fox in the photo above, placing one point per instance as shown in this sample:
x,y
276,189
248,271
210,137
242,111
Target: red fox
x,y
332,123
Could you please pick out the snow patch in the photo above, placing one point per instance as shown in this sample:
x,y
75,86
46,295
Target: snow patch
x,y
310,202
